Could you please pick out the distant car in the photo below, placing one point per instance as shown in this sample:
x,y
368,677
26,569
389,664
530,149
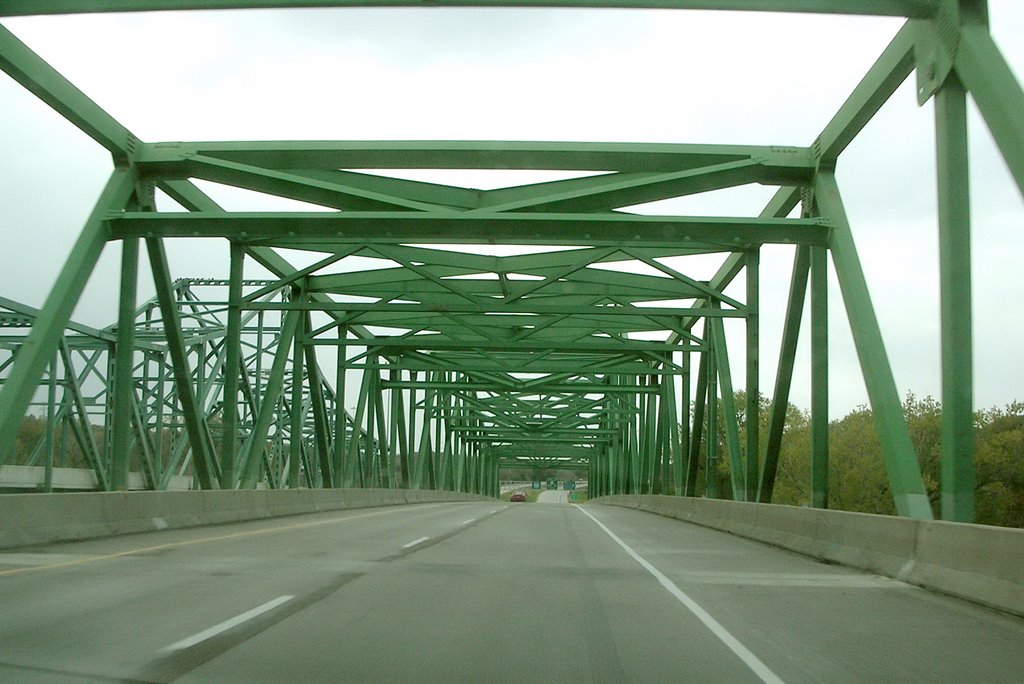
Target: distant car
x,y
517,496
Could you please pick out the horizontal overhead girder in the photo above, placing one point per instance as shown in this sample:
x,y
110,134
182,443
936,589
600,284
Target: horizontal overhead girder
x,y
386,313
468,154
906,8
275,228
579,388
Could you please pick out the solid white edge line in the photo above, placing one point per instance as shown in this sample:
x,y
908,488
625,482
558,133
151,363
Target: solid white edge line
x,y
226,625
716,628
414,543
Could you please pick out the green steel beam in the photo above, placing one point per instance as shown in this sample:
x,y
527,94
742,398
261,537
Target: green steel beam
x,y
124,383
955,301
579,388
819,378
732,434
753,370
340,414
434,194
31,71
881,81
195,421
284,184
422,227
781,204
472,154
256,444
684,430
908,489
232,369
296,412
905,8
711,449
607,192
388,344
31,313
82,427
527,439
39,347
784,374
988,78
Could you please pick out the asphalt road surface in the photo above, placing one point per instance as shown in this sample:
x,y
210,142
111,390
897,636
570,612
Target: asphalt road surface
x,y
475,592
553,496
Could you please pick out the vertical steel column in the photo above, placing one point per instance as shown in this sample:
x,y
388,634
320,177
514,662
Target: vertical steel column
x,y
385,464
732,432
107,454
123,381
195,421
784,374
635,435
48,328
340,416
425,462
354,462
753,277
398,439
232,369
683,444
955,298
257,442
819,377
369,463
711,452
416,461
648,437
158,416
672,446
901,464
51,414
318,404
701,396
297,417
440,452
393,429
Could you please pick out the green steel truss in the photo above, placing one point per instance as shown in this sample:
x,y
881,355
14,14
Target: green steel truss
x,y
579,352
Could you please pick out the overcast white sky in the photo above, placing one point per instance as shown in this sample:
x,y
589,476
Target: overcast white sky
x,y
608,75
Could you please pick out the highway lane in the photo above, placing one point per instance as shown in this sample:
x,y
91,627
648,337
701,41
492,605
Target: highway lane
x,y
553,496
458,593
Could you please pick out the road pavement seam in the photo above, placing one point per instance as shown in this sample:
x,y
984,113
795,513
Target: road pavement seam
x,y
749,659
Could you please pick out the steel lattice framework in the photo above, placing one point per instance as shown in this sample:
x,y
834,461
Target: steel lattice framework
x,y
465,362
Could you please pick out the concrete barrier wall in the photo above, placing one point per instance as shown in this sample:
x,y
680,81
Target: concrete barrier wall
x,y
979,563
27,519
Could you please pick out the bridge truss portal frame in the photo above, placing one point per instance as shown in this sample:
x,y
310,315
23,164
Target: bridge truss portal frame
x,y
470,362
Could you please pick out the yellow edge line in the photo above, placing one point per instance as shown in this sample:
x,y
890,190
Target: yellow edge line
x,y
220,537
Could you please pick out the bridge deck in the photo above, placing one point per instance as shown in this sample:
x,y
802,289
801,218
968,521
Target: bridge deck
x,y
476,592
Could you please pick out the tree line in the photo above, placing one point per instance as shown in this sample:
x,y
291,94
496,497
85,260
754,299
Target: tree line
x,y
857,477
